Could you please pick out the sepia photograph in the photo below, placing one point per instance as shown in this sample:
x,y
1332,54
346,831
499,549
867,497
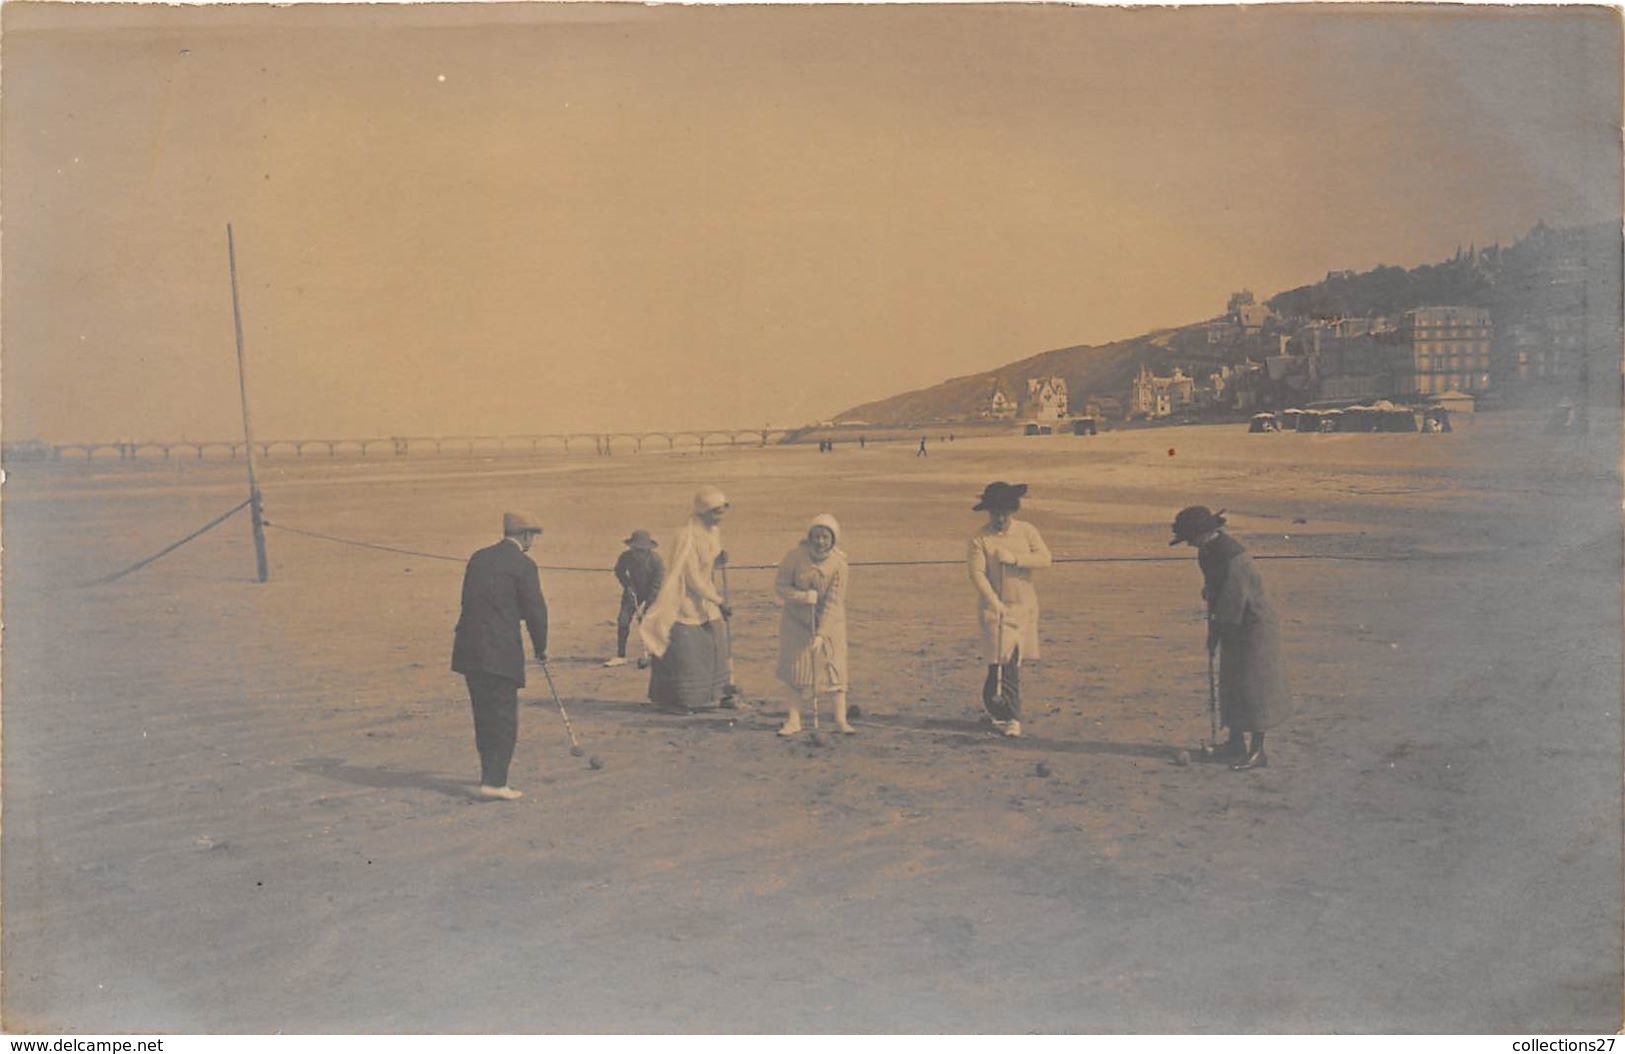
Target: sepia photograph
x,y
610,518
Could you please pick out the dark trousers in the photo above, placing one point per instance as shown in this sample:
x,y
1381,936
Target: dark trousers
x,y
623,622
1005,706
496,724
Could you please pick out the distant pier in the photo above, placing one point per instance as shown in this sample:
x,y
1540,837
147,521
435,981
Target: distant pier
x,y
601,443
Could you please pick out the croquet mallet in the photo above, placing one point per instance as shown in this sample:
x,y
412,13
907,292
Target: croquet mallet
x,y
1212,745
732,690
575,747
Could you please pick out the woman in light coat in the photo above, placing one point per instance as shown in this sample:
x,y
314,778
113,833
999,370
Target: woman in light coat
x,y
1243,629
1002,558
812,631
683,629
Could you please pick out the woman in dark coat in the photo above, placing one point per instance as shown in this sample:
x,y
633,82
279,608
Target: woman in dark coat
x,y
1243,629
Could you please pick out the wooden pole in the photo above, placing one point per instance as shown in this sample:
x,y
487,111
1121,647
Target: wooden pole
x,y
255,507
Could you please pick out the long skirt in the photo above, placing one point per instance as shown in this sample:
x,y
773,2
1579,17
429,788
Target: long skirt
x,y
693,672
1253,693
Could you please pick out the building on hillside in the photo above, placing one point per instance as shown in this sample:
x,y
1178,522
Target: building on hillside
x,y
1318,336
1246,387
1251,318
1211,340
1557,316
1360,387
1547,349
1290,380
1443,348
1152,396
1046,399
997,404
1246,314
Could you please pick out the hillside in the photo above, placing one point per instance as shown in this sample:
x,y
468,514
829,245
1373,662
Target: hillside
x,y
1105,369
1564,280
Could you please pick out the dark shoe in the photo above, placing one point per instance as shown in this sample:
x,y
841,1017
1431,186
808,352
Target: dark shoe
x,y
1256,760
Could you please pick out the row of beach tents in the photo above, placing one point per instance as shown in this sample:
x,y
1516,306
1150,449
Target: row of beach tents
x,y
1381,416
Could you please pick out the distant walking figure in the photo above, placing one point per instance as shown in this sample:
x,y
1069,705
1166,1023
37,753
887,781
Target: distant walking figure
x,y
812,631
1002,558
639,571
683,629
921,452
501,586
1243,629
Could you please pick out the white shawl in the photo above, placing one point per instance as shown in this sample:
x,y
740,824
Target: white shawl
x,y
687,593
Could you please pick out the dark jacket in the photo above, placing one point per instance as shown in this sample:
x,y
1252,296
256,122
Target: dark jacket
x,y
1252,680
500,587
641,571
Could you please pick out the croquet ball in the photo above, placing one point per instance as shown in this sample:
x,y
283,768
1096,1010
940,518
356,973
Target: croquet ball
x,y
596,762
1182,758
854,711
576,752
1042,768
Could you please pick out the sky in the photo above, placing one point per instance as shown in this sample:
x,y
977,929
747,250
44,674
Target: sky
x,y
520,219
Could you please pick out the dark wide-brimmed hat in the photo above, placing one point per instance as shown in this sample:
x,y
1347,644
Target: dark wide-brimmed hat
x,y
1000,496
641,540
1195,521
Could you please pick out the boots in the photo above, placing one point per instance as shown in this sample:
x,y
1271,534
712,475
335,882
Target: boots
x,y
1256,758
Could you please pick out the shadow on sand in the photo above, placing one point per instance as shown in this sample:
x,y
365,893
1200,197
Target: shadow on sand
x,y
955,732
972,733
336,769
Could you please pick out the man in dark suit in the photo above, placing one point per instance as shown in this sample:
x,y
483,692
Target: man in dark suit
x,y
500,587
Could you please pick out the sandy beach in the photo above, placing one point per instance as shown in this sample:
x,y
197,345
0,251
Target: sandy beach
x,y
235,807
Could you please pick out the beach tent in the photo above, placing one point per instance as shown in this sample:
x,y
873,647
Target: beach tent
x,y
1456,402
1330,421
1264,422
1399,419
1084,426
1308,420
1358,419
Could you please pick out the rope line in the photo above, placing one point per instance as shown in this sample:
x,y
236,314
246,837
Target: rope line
x,y
362,545
1346,557
166,550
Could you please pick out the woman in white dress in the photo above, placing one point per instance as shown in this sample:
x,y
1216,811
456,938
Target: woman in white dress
x,y
684,627
812,631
